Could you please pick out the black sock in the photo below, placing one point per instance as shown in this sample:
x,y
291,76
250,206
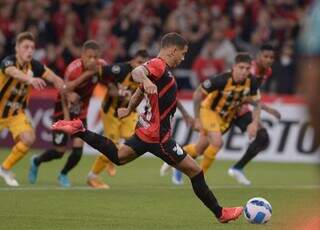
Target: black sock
x,y
102,144
72,161
204,193
48,155
259,144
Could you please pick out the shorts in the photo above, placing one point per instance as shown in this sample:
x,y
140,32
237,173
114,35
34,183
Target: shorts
x,y
60,138
115,128
243,121
16,124
211,121
170,151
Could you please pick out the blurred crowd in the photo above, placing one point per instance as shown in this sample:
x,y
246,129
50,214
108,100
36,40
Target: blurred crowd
x,y
215,29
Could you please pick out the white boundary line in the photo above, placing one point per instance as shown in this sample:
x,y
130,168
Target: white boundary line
x,y
231,187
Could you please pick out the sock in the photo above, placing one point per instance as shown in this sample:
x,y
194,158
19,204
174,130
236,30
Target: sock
x,y
259,144
18,151
191,150
208,157
203,192
102,144
72,161
99,164
48,155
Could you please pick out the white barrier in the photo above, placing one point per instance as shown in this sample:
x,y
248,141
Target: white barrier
x,y
291,139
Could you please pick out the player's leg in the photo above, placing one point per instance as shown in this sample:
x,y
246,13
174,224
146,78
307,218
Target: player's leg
x,y
24,137
260,142
59,140
103,144
174,155
111,126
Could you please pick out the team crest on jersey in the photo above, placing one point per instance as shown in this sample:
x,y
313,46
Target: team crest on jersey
x,y
207,84
115,69
8,63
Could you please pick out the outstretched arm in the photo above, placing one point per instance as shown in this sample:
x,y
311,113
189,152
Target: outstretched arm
x,y
188,119
71,85
133,103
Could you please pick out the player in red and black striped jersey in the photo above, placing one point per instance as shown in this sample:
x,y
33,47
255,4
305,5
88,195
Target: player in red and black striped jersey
x,y
81,76
153,132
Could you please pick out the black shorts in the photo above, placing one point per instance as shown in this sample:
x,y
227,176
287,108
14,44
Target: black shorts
x,y
170,151
243,121
60,138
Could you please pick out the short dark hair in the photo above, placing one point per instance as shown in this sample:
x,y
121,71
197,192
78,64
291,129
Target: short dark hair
x,y
173,39
266,47
91,44
25,36
243,57
141,53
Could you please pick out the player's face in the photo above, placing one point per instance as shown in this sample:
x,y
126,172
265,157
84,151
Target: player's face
x,y
90,58
241,71
178,55
266,58
25,50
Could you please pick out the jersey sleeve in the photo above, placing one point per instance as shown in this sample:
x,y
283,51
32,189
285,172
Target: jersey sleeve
x,y
38,68
7,62
217,82
155,68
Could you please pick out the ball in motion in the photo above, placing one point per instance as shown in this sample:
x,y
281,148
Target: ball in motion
x,y
257,210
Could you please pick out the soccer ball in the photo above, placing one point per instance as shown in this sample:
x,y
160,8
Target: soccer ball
x,y
257,211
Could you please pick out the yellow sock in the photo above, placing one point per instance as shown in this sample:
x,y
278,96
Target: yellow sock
x,y
99,164
18,151
191,150
208,157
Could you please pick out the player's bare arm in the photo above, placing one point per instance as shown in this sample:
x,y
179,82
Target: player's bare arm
x,y
188,119
140,75
197,97
71,85
14,72
54,79
253,126
133,103
266,108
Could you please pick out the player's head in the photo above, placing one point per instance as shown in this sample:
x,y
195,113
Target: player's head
x,y
25,46
241,67
175,48
90,54
140,57
265,56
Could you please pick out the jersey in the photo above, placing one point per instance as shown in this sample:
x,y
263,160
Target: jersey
x,y
14,93
120,74
224,96
74,70
256,72
154,124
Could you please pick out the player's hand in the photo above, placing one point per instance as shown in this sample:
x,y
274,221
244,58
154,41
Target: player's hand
x,y
123,112
189,121
252,130
149,87
37,83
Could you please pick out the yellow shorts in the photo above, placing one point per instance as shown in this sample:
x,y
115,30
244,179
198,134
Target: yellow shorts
x,y
16,124
115,128
211,121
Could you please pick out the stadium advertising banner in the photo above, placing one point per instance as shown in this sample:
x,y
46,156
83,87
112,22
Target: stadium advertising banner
x,y
291,138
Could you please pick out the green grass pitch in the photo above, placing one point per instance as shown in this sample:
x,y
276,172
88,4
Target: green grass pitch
x,y
140,199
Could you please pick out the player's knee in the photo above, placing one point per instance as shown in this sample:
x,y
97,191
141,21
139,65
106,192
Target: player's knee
x,y
217,143
59,154
263,138
28,138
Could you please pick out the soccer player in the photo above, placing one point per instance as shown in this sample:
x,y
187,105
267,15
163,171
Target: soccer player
x,y
153,130
17,74
119,93
261,70
81,75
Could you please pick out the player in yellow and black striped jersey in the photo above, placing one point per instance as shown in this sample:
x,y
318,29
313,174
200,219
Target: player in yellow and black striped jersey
x,y
119,94
17,74
224,94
